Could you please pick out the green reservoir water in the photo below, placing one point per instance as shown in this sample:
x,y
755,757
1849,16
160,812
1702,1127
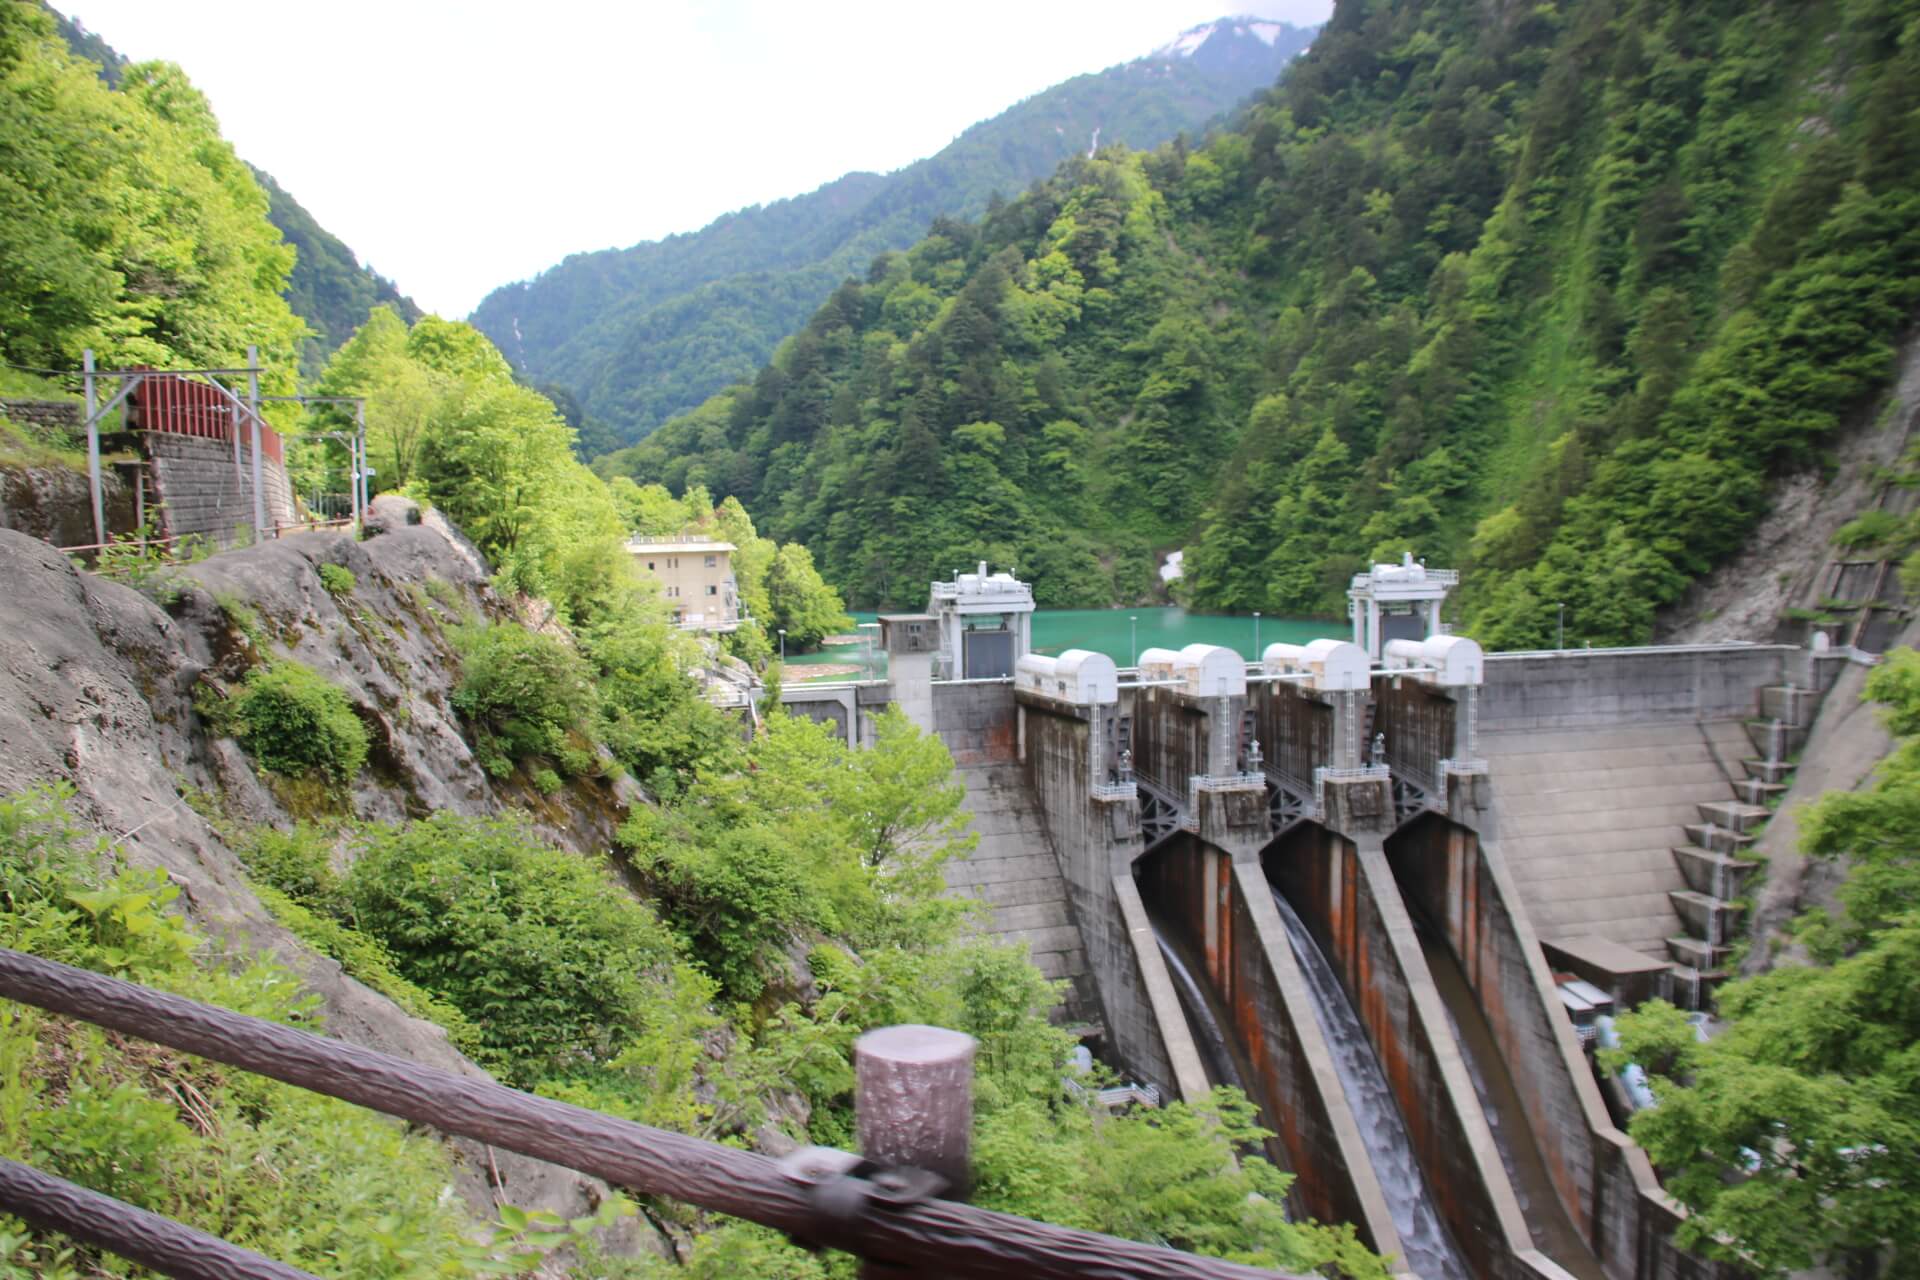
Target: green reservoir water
x,y
1118,633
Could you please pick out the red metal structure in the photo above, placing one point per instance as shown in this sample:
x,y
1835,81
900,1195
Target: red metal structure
x,y
181,406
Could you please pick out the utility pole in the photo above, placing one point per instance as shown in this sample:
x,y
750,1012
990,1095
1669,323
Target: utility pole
x,y
253,417
1561,642
360,466
1133,638
93,454
1256,635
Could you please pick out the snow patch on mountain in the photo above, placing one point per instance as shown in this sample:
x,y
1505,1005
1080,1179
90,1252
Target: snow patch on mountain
x,y
1188,42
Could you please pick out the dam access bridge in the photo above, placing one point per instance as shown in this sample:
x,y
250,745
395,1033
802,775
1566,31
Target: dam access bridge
x,y
1381,883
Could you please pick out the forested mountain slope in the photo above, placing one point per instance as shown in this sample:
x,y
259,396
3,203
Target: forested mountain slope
x,y
328,288
642,333
1548,293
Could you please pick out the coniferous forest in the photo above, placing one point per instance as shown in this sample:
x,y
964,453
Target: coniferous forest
x,y
1548,293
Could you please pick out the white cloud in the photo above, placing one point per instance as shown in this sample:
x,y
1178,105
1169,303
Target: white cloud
x,y
460,146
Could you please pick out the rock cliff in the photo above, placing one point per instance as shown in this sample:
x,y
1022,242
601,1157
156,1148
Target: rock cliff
x,y
97,689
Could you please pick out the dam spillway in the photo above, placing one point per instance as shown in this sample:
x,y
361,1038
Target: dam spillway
x,y
1427,1247
1182,792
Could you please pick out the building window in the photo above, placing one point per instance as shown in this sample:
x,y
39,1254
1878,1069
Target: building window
x,y
713,562
649,566
712,590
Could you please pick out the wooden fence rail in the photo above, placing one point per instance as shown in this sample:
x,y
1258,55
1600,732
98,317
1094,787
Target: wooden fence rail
x,y
809,1203
146,1238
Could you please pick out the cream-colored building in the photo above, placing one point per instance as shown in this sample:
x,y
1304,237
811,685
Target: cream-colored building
x,y
695,576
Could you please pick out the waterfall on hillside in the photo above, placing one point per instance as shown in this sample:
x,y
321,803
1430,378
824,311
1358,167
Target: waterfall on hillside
x,y
1428,1249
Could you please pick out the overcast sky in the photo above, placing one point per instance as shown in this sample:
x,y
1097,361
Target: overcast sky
x,y
457,147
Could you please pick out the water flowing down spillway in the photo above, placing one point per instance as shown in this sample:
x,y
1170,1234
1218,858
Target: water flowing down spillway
x,y
1424,1242
1506,1116
1209,1038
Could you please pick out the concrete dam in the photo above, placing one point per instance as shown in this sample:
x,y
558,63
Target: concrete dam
x,y
1382,884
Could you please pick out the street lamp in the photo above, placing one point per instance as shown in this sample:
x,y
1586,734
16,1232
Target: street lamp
x,y
1133,639
783,644
1256,635
1561,643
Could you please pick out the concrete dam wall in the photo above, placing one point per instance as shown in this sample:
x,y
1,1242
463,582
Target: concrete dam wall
x,y
1439,838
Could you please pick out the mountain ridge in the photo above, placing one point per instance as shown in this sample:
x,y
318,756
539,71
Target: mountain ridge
x,y
642,332
330,288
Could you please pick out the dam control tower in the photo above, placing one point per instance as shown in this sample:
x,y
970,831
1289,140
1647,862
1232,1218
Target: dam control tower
x,y
1397,602
985,623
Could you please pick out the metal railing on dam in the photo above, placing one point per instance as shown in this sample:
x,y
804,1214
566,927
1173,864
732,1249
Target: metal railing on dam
x,y
816,1196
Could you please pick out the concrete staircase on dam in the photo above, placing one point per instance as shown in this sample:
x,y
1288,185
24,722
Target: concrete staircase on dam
x,y
1014,871
1634,834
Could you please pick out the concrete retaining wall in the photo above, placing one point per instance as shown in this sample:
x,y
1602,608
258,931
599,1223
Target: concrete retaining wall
x,y
976,720
1631,686
62,416
203,492
1095,841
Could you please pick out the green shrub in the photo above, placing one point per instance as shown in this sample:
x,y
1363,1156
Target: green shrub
x,y
539,948
298,863
325,1186
147,566
526,695
337,579
1868,530
294,721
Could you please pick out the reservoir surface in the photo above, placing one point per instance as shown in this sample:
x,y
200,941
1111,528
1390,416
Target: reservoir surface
x,y
1118,633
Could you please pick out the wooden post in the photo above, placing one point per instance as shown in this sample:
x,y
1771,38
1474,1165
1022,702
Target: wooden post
x,y
913,1101
93,454
913,1107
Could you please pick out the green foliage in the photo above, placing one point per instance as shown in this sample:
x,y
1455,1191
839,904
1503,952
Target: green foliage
x,y
146,565
812,836
799,602
447,422
1790,1135
1868,530
537,948
131,227
652,717
1551,300
328,288
322,1185
337,579
644,333
294,721
528,696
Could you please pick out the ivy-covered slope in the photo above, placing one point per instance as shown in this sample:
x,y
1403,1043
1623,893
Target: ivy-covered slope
x,y
642,333
1544,292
